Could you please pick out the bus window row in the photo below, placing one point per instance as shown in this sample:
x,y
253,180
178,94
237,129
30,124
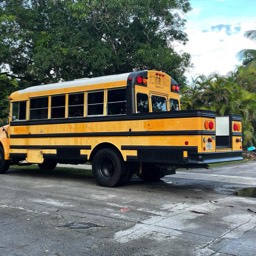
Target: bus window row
x,y
71,105
88,104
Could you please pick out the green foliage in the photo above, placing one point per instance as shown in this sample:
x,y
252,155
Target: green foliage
x,y
234,93
248,55
44,41
7,86
246,75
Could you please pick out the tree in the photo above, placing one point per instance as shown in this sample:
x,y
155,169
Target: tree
x,y
47,40
245,76
225,95
7,87
211,93
248,55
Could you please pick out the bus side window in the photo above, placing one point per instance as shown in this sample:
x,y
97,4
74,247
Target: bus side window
x,y
117,102
19,110
39,108
76,105
95,103
142,103
174,105
58,106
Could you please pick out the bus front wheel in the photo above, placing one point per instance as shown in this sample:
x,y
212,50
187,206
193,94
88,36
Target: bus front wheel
x,y
108,168
4,164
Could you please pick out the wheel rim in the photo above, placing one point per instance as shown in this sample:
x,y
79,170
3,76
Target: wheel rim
x,y
107,168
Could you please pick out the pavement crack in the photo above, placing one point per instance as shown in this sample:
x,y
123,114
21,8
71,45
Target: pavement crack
x,y
217,240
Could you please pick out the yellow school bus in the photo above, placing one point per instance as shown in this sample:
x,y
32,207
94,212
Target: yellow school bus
x,y
122,124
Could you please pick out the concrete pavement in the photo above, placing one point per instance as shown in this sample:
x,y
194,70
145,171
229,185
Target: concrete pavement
x,y
194,212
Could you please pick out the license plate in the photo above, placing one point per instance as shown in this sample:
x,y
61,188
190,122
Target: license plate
x,y
209,145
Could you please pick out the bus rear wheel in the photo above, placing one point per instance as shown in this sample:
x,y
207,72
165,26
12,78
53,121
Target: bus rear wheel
x,y
47,165
109,168
4,164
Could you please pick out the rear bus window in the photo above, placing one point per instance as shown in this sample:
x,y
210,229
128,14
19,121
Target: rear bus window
x,y
174,105
142,103
39,108
95,103
158,104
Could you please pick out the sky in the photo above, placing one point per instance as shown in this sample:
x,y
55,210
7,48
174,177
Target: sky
x,y
215,30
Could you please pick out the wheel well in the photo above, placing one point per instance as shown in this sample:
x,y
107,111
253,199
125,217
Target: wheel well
x,y
104,145
2,147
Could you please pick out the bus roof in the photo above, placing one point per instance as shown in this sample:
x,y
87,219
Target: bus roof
x,y
75,83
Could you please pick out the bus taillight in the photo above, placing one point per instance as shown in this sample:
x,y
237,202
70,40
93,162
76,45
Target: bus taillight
x,y
236,127
208,125
141,80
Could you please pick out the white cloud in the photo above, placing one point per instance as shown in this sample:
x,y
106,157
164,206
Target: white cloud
x,y
194,12
215,50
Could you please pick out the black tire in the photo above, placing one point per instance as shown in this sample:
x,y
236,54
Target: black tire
x,y
47,165
127,175
4,164
150,173
109,168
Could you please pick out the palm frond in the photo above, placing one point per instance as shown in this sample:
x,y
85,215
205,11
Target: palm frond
x,y
251,34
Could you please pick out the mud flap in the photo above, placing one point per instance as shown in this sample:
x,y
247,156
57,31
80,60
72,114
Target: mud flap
x,y
35,156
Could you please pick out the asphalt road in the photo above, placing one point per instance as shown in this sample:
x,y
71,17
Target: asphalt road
x,y
194,212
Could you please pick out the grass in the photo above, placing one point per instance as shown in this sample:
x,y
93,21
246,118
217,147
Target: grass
x,y
228,163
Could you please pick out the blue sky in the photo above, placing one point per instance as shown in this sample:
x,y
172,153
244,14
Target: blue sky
x,y
215,30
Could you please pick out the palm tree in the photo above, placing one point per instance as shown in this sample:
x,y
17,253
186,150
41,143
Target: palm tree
x,y
251,34
225,95
248,55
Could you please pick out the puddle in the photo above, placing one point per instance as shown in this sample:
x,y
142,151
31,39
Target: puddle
x,y
246,192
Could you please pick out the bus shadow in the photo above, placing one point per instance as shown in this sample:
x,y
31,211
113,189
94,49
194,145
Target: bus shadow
x,y
69,173
188,187
169,184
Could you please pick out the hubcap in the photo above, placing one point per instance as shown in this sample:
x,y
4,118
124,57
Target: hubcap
x,y
107,168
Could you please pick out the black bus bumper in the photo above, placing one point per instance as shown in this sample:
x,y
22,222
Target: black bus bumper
x,y
216,157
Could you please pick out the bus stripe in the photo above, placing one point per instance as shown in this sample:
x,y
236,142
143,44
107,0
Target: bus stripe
x,y
110,134
48,147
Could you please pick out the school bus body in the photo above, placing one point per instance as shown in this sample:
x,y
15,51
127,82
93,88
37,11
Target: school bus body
x,y
170,132
143,131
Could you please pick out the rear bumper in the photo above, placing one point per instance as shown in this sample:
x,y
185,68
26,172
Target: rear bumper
x,y
216,157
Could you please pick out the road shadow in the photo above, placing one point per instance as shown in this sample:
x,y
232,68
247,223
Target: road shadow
x,y
169,184
198,186
69,173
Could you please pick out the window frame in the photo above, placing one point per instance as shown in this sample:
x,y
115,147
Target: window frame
x,y
39,108
19,110
160,96
79,106
58,107
108,103
95,104
142,93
